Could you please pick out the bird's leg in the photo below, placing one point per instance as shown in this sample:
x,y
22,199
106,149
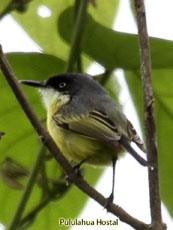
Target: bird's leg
x,y
109,200
77,166
76,171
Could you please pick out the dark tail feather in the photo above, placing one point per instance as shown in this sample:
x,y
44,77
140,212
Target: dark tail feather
x,y
132,152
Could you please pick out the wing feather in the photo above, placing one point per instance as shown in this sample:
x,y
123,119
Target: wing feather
x,y
135,137
94,124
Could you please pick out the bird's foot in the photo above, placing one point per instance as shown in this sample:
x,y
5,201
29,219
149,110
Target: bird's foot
x,y
77,169
109,201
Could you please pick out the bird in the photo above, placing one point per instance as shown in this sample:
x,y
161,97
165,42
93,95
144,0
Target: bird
x,y
87,125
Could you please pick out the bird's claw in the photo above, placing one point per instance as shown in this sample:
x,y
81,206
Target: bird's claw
x,y
109,201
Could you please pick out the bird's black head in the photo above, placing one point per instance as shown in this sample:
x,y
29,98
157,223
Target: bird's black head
x,y
67,84
59,90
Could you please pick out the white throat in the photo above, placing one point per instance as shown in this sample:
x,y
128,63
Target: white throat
x,y
52,97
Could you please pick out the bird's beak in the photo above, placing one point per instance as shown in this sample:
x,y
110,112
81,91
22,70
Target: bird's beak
x,y
33,83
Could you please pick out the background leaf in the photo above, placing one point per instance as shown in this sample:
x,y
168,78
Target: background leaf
x,y
3,5
48,37
120,49
18,131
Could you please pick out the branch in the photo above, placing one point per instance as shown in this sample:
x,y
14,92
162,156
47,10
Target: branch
x,y
149,119
77,33
64,164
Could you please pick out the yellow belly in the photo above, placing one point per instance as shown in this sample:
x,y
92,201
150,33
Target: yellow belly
x,y
77,148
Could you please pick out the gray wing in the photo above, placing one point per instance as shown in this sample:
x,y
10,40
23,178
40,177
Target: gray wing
x,y
94,124
102,120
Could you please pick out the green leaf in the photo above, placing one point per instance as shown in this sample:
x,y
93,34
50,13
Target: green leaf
x,y
15,144
115,49
44,30
104,12
36,66
18,131
4,4
162,85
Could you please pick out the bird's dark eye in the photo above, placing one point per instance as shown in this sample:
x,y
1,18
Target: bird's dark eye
x,y
62,84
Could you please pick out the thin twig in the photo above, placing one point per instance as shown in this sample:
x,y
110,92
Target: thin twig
x,y
48,141
77,33
78,51
105,77
26,193
44,179
54,195
149,119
